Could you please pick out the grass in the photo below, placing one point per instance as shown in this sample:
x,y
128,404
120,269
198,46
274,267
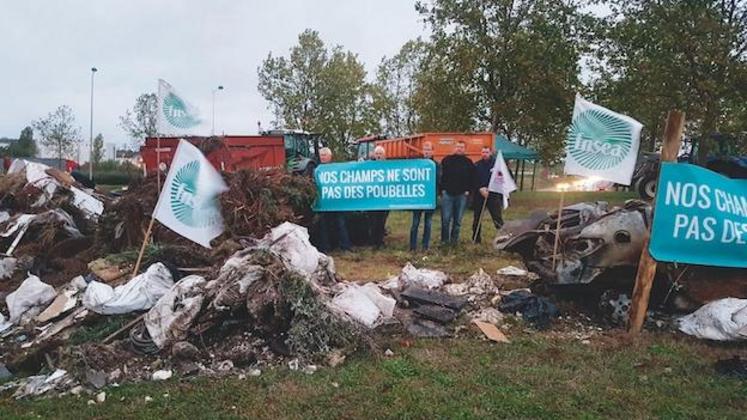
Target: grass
x,y
535,376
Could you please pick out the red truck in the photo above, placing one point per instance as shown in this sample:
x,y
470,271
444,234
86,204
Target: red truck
x,y
296,150
412,146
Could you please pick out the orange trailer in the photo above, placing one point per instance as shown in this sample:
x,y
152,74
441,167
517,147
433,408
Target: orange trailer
x,y
412,146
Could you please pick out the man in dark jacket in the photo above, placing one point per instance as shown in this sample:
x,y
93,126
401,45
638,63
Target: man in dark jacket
x,y
457,180
492,201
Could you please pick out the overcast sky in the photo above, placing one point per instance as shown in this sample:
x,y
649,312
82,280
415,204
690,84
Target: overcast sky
x,y
48,48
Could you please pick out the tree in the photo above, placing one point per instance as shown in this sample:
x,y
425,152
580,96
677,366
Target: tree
x,y
58,132
319,91
25,146
395,87
97,154
661,55
512,64
142,120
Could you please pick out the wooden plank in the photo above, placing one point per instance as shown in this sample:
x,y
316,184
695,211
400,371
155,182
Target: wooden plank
x,y
646,265
491,332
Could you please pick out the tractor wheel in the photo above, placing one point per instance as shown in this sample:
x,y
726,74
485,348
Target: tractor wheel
x,y
647,187
309,171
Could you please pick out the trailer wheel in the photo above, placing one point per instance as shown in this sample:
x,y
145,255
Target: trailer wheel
x,y
647,187
309,171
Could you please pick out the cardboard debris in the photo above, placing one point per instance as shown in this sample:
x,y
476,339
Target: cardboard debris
x,y
491,332
106,271
62,303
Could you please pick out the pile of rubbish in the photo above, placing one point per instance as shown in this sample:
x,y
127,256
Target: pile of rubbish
x,y
47,220
601,247
273,300
277,300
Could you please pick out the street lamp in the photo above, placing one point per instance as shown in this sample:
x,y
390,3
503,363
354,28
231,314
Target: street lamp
x,y
220,87
90,156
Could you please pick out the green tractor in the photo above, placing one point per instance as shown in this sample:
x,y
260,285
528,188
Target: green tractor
x,y
726,157
301,150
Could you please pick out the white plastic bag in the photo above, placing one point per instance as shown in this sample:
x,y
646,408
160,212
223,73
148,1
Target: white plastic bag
x,y
31,297
366,304
423,277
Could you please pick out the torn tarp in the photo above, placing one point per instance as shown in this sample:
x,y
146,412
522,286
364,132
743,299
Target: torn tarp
x,y
291,241
721,320
169,320
138,294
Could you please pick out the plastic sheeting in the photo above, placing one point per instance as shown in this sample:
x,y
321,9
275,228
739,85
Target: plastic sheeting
x,y
366,304
7,267
423,277
292,242
720,320
169,320
138,294
29,299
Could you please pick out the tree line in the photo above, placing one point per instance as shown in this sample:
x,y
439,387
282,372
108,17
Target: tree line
x,y
514,66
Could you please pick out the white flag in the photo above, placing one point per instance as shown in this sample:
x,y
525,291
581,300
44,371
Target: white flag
x,y
176,116
601,143
500,179
188,203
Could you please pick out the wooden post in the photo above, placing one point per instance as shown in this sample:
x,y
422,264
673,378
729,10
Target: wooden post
x,y
534,173
647,266
557,228
479,221
523,166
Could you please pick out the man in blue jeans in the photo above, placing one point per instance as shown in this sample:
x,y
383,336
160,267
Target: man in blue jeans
x,y
418,214
332,223
457,180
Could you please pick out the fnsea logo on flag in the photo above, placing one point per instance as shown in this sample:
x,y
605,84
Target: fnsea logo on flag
x,y
601,143
176,116
188,203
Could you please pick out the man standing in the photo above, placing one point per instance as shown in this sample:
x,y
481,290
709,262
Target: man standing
x,y
331,223
378,218
418,214
485,200
457,180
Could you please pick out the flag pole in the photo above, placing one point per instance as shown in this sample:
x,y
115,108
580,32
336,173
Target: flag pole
x,y
145,242
479,220
158,162
562,188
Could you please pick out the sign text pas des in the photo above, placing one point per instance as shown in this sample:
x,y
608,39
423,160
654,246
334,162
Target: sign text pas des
x,y
376,185
700,217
